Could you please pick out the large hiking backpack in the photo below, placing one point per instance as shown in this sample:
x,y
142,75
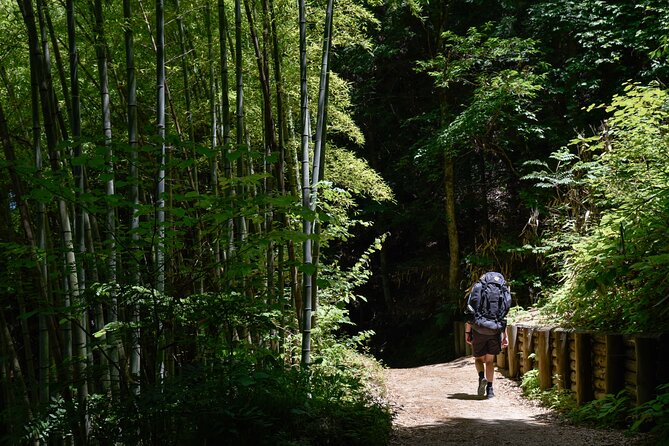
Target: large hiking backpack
x,y
490,301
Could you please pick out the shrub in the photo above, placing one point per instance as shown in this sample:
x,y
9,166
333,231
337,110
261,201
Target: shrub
x,y
241,403
612,411
654,415
554,398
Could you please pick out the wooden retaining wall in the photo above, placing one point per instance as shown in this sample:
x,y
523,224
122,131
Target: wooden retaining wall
x,y
589,364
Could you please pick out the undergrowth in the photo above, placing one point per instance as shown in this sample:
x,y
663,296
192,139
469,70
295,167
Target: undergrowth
x,y
613,411
241,403
553,398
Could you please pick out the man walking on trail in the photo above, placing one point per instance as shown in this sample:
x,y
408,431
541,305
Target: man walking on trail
x,y
487,306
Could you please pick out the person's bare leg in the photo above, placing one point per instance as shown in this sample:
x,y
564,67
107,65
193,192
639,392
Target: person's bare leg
x,y
489,367
490,375
478,362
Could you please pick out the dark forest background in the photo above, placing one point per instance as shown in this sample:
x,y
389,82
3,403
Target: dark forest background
x,y
579,53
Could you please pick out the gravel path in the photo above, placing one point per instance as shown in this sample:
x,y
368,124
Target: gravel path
x,y
438,405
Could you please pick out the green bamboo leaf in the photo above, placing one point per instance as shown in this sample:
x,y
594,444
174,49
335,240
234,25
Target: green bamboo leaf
x,y
307,268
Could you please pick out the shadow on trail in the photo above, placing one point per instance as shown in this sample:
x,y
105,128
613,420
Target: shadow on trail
x,y
465,396
460,362
474,432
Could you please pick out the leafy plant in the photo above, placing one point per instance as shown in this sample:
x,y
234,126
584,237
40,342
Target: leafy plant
x,y
612,411
530,383
554,398
608,227
653,415
502,76
329,403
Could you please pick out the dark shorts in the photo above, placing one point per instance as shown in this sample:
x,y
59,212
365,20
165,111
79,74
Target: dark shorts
x,y
485,344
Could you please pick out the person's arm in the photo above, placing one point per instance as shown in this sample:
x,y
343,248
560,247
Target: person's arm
x,y
468,333
505,339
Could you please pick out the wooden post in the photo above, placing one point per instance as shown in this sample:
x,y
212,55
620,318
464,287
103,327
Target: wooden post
x,y
662,352
500,359
584,390
459,338
466,348
614,377
512,359
544,359
563,359
645,368
528,348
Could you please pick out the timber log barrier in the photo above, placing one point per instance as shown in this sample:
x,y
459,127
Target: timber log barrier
x,y
589,364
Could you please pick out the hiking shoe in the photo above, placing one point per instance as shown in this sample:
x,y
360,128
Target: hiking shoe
x,y
489,393
482,386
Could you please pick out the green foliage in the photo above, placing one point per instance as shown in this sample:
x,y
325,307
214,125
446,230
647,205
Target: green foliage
x,y
612,411
341,284
219,341
245,402
609,227
355,175
653,415
238,388
503,77
561,400
595,46
473,58
338,216
530,383
517,313
340,121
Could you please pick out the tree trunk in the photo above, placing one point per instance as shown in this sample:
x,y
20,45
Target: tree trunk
x,y
449,169
160,193
101,50
38,65
192,171
213,125
225,126
58,120
451,224
225,119
59,63
319,143
282,129
24,211
240,229
135,277
184,72
16,370
268,6
268,131
307,227
76,134
321,118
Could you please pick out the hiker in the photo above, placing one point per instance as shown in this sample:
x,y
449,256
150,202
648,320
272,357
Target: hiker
x,y
487,306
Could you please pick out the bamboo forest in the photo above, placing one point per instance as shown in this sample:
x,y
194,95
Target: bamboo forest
x,y
221,219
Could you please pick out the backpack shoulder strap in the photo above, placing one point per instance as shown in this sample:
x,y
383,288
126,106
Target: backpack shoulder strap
x,y
475,297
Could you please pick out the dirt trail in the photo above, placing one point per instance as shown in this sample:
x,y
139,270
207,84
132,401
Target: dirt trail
x,y
438,405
